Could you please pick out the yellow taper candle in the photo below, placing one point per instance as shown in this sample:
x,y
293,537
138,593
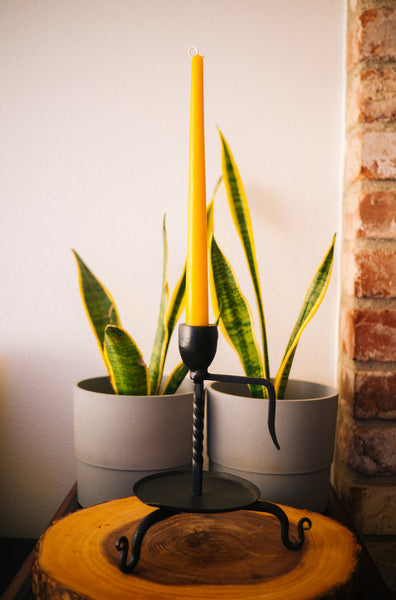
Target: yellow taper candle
x,y
197,260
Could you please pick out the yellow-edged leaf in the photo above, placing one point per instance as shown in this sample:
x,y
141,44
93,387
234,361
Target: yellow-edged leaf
x,y
161,335
210,211
97,301
241,216
312,300
176,304
167,325
175,379
178,299
236,320
128,372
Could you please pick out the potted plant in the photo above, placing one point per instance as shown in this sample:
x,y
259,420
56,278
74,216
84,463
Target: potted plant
x,y
134,421
298,474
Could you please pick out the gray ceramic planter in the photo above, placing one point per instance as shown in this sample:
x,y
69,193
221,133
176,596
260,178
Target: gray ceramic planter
x,y
239,443
120,439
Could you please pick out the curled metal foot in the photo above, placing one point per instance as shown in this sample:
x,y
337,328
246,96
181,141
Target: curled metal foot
x,y
303,525
122,544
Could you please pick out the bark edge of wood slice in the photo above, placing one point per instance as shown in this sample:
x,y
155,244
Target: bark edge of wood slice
x,y
235,555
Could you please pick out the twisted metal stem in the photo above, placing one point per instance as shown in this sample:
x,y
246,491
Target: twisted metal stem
x,y
197,432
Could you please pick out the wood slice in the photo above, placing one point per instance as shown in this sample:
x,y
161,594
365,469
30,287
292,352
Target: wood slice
x,y
235,555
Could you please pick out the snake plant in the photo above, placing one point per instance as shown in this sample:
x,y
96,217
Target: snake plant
x,y
124,362
230,304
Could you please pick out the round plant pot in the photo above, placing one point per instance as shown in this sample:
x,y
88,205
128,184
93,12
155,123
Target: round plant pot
x,y
120,439
239,443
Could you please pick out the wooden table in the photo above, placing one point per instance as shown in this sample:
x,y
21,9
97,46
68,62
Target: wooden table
x,y
370,584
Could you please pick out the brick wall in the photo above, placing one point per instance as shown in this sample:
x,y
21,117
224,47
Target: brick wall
x,y
365,465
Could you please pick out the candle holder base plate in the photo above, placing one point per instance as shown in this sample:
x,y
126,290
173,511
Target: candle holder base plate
x,y
221,492
171,494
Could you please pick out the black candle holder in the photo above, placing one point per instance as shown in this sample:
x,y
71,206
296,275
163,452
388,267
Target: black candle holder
x,y
197,490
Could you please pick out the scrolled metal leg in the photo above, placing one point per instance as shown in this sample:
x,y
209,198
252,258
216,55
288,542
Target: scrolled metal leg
x,y
253,381
122,543
303,525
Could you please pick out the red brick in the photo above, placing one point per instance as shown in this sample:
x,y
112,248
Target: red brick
x,y
379,155
366,438
368,449
371,215
378,34
371,501
371,273
369,334
353,158
371,155
372,96
372,36
369,394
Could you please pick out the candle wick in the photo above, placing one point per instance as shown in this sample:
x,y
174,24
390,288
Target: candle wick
x,y
192,51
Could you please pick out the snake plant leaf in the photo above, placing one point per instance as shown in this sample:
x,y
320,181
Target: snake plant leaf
x,y
236,320
210,220
128,372
312,300
175,379
210,210
98,302
160,341
241,216
175,309
179,294
176,304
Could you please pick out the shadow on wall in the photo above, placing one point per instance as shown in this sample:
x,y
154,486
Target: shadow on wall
x,y
36,440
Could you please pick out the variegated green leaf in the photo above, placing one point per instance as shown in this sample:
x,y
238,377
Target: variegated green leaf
x,y
236,321
175,379
241,216
178,299
210,210
160,341
312,300
209,220
98,302
176,304
128,372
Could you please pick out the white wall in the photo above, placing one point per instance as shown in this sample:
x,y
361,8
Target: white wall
x,y
94,110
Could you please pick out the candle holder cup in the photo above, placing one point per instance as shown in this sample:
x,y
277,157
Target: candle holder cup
x,y
197,490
